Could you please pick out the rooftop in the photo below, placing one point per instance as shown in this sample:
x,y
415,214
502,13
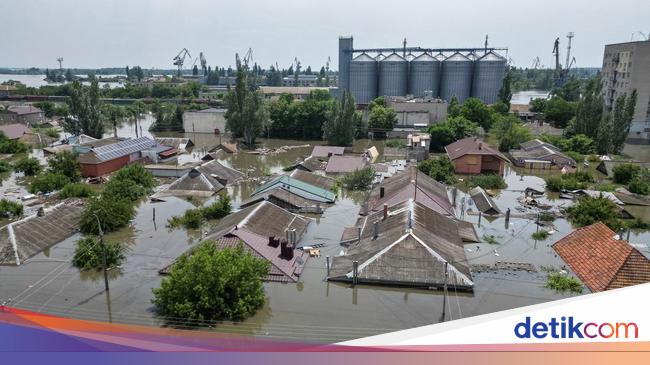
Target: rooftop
x,y
311,178
471,146
298,187
341,164
24,109
14,131
602,261
116,150
324,151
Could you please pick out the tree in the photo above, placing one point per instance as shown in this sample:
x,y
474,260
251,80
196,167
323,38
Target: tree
x,y
85,110
382,119
538,105
213,284
622,120
65,163
195,70
339,127
558,111
124,189
453,109
113,213
623,173
88,254
358,179
505,93
440,169
247,115
138,174
604,135
10,209
510,132
378,101
590,210
570,91
450,130
28,165
475,110
48,182
69,77
589,110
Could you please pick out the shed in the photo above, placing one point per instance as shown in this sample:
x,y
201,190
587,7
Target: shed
x,y
473,156
14,131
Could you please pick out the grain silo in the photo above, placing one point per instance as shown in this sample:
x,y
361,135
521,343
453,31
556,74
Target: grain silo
x,y
393,76
363,78
456,77
424,75
489,72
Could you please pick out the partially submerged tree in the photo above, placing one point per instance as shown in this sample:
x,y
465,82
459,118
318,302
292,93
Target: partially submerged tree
x,y
590,210
212,284
339,128
85,110
89,251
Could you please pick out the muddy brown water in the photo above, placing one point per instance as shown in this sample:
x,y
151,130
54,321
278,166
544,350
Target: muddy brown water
x,y
312,310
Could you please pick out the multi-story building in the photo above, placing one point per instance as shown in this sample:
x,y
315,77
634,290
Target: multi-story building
x,y
24,114
626,67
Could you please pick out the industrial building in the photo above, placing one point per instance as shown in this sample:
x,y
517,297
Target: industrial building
x,y
209,120
422,72
626,67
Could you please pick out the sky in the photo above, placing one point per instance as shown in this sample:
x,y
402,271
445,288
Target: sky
x,y
149,33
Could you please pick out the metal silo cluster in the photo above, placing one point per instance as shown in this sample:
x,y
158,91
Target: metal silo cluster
x,y
421,72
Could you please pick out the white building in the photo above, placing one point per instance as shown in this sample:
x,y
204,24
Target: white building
x,y
210,120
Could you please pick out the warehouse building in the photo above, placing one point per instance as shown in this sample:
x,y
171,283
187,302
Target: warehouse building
x,y
209,120
442,73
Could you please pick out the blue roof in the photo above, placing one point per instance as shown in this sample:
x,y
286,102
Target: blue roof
x,y
296,186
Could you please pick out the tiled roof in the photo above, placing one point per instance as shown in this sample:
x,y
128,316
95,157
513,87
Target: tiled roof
x,y
324,151
471,146
337,164
14,131
24,109
601,261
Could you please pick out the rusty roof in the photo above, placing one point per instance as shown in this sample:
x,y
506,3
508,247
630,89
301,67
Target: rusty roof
x,y
14,131
471,146
402,187
600,260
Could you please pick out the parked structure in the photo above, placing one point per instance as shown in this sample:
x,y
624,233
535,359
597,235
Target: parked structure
x,y
601,259
209,120
106,159
537,154
407,244
268,232
473,156
24,114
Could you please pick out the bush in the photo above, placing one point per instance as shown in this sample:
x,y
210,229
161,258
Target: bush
x,y
639,185
540,235
575,155
605,187
637,224
440,169
28,165
491,239
358,179
124,189
590,210
570,181
546,217
9,208
562,282
76,191
112,213
48,182
88,254
213,284
192,219
138,174
65,163
219,209
491,181
396,143
623,173
50,132
593,158
11,146
5,167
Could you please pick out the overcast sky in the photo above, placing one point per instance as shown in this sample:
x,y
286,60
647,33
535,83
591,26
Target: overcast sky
x,y
150,33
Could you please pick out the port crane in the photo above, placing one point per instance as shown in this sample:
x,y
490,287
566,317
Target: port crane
x,y
180,59
561,74
60,61
204,63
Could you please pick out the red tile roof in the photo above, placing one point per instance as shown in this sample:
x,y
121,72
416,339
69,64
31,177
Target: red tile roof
x,y
601,261
471,146
14,131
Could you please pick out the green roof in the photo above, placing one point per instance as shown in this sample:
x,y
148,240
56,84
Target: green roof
x,y
297,187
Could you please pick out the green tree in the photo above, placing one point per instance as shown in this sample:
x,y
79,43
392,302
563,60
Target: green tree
x,y
48,182
570,91
28,165
88,254
558,111
85,110
213,284
10,209
453,109
358,179
247,115
623,173
339,128
65,163
604,134
589,110
590,210
510,132
72,190
505,93
138,174
622,120
113,213
382,119
475,110
450,130
538,105
440,169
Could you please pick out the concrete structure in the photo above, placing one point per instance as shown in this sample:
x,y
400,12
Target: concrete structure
x,y
537,154
298,92
473,156
626,67
417,113
106,159
303,80
25,114
209,120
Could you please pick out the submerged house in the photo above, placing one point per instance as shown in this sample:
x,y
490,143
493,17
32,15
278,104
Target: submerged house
x,y
293,194
484,202
601,259
309,164
202,181
537,154
411,184
268,232
607,167
181,144
473,156
405,245
345,164
25,238
112,157
320,181
327,151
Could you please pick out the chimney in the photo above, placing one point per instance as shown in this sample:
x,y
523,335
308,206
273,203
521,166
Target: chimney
x,y
274,241
385,211
381,192
293,237
283,246
287,235
480,145
40,212
329,154
375,230
286,250
364,209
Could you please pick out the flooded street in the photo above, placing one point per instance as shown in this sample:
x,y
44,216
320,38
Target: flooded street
x,y
313,309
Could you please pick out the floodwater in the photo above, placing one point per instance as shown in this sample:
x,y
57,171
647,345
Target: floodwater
x,y
524,97
313,309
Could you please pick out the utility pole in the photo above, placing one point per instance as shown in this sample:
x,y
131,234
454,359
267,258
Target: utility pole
x,y
444,298
101,242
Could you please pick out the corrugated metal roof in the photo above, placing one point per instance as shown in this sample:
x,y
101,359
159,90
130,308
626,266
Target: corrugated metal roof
x,y
116,150
338,164
483,202
491,57
471,146
425,57
363,58
457,57
296,186
394,57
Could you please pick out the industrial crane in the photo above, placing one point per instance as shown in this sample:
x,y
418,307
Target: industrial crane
x,y
643,36
248,57
560,73
60,61
536,63
180,59
204,63
570,36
